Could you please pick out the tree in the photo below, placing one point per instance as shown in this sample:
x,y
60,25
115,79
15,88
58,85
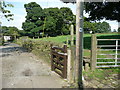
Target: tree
x,y
48,21
63,17
101,10
22,32
53,17
119,29
95,27
10,31
114,30
13,31
67,19
34,19
5,30
6,13
50,26
88,26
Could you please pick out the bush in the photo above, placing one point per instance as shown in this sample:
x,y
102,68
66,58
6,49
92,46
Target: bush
x,y
38,47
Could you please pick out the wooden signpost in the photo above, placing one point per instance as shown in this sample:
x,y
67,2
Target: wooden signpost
x,y
79,40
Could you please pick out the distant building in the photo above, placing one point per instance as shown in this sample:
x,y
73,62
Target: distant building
x,y
7,38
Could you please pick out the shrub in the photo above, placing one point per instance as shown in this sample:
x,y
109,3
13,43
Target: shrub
x,y
38,47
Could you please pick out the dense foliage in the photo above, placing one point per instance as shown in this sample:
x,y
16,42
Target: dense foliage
x,y
119,29
5,12
10,31
101,10
100,27
54,21
46,22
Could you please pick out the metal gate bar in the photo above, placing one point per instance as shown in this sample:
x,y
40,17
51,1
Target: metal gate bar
x,y
115,54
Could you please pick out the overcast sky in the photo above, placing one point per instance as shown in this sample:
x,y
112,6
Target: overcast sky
x,y
20,13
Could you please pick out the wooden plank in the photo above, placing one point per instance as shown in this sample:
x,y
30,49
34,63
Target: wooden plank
x,y
107,39
58,67
58,48
57,61
59,73
58,53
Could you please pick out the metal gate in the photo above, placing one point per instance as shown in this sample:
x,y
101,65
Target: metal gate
x,y
108,55
59,60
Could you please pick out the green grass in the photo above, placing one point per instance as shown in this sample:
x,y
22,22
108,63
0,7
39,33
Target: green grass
x,y
100,74
60,39
87,52
87,40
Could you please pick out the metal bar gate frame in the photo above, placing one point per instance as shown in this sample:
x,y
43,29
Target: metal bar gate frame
x,y
116,59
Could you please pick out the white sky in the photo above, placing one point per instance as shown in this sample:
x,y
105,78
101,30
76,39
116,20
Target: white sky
x,y
20,13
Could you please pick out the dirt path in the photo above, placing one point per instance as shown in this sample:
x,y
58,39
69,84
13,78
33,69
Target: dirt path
x,y
21,69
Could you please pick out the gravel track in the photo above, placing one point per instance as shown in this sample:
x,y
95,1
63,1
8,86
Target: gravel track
x,y
21,69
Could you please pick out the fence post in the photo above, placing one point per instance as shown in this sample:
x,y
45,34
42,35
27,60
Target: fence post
x,y
69,66
65,61
65,48
52,67
93,52
73,64
72,34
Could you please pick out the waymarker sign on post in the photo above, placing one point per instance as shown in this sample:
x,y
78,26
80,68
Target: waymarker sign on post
x,y
79,39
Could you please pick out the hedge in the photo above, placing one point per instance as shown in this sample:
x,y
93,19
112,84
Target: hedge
x,y
38,47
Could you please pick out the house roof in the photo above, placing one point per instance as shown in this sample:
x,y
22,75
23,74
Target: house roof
x,y
68,1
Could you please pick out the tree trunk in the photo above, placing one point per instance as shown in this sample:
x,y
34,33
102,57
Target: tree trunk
x,y
15,37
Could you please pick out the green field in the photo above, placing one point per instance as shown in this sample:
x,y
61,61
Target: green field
x,y
98,74
87,40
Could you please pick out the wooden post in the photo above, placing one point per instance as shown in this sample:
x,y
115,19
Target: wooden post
x,y
69,66
72,34
73,69
79,42
52,67
65,62
93,52
67,41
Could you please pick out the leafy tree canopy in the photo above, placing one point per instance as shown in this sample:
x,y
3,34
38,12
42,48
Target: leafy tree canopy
x,y
48,21
6,13
10,31
119,29
34,19
100,10
100,27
